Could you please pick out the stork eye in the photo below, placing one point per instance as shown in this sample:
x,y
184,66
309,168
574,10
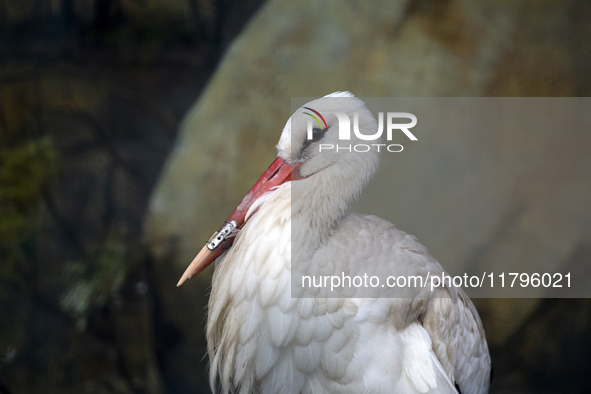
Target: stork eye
x,y
317,134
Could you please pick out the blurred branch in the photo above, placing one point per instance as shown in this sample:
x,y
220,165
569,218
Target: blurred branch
x,y
218,29
62,224
119,360
42,302
39,300
199,19
105,140
108,192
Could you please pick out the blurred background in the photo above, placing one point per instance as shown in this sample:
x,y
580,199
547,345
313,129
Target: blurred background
x,y
130,129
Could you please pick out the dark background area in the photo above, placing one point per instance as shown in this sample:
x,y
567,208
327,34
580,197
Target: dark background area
x,y
92,95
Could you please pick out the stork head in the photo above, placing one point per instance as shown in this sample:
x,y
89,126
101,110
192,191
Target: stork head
x,y
304,155
324,149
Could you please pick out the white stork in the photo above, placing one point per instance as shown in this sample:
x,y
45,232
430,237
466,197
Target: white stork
x,y
261,340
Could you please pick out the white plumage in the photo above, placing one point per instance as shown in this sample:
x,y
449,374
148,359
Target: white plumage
x,y
261,340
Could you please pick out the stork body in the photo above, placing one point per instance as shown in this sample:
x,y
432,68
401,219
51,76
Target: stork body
x,y
261,340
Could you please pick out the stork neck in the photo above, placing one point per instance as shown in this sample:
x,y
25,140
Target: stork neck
x,y
318,204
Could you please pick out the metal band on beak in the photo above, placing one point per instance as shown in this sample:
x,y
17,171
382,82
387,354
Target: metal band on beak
x,y
224,233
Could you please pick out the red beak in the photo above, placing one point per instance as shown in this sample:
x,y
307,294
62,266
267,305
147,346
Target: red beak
x,y
278,173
